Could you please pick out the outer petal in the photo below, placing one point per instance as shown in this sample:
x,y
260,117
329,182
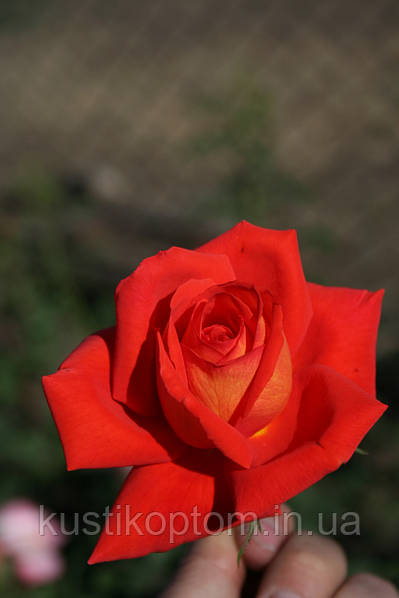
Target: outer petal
x,y
270,260
137,298
335,412
172,494
95,430
195,423
343,332
260,489
334,416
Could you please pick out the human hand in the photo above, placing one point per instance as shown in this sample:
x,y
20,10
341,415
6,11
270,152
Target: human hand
x,y
293,566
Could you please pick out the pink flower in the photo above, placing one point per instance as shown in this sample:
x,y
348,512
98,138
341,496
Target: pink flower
x,y
35,556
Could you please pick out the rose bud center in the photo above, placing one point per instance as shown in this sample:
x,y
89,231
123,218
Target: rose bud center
x,y
236,359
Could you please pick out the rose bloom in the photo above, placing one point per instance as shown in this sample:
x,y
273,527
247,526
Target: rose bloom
x,y
229,382
35,557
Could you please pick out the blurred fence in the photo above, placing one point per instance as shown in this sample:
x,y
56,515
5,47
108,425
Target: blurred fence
x,y
123,93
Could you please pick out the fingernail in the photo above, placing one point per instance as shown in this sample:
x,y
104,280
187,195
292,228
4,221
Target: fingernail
x,y
281,594
266,537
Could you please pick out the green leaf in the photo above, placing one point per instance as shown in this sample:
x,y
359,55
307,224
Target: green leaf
x,y
360,451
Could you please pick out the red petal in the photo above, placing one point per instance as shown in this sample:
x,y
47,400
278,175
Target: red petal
x,y
186,294
334,416
206,342
195,423
229,308
260,489
335,412
137,298
172,494
270,260
95,430
343,332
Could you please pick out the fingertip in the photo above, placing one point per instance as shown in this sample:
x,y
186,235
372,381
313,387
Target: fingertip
x,y
367,584
308,565
267,540
210,570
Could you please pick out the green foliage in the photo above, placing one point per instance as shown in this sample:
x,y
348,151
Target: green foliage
x,y
253,525
47,307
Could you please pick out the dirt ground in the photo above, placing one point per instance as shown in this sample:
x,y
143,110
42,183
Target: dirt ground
x,y
109,90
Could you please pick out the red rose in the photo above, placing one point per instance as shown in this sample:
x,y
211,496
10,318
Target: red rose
x,y
229,381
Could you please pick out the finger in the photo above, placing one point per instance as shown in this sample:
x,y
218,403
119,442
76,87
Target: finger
x,y
365,585
307,565
264,544
210,570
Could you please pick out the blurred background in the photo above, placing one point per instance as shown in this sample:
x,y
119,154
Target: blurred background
x,y
130,126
